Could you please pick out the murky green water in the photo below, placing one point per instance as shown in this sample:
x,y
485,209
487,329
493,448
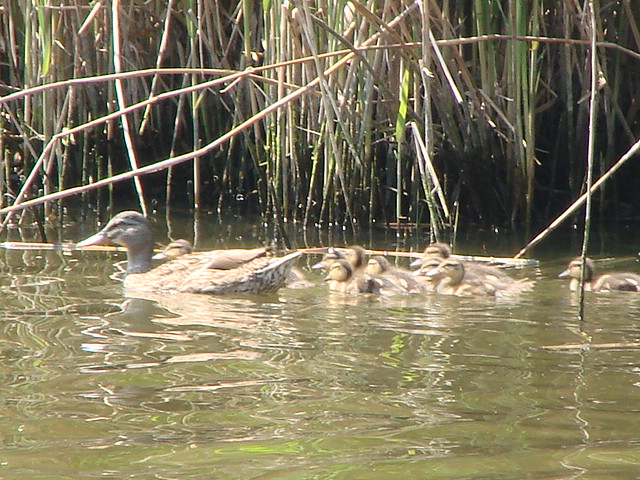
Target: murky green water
x,y
306,384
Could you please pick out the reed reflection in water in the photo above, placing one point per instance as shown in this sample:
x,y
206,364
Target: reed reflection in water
x,y
310,384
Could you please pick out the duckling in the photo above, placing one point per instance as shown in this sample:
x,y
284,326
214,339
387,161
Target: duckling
x,y
442,250
379,266
341,278
433,250
327,260
175,249
620,281
426,274
438,249
355,255
456,281
213,272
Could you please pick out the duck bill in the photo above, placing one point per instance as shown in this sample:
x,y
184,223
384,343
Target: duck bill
x,y
318,266
416,263
564,274
433,272
160,256
97,239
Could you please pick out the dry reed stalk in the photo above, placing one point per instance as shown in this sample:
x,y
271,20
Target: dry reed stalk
x,y
126,129
345,166
635,148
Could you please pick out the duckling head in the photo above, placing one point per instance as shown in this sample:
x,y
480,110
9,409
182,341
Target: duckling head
x,y
175,249
377,265
453,269
356,256
574,267
327,260
339,271
428,266
438,249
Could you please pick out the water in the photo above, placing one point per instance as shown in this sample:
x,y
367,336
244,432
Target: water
x,y
305,384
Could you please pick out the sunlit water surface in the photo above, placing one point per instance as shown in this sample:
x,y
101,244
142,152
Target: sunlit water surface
x,y
98,383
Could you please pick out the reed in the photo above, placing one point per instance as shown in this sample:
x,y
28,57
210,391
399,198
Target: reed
x,y
350,111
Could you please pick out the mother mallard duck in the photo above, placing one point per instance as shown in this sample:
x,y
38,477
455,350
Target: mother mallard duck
x,y
212,272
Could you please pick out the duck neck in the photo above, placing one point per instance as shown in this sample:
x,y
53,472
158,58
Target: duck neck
x,y
139,260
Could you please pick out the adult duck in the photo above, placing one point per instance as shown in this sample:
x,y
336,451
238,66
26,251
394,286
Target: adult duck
x,y
213,272
620,281
177,248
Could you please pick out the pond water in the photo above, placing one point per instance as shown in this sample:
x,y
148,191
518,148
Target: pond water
x,y
305,384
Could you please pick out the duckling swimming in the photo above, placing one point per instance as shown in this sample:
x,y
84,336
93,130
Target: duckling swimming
x,y
456,281
442,250
427,275
328,258
342,278
378,266
620,281
355,255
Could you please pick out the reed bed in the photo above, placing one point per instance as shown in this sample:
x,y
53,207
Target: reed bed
x,y
318,112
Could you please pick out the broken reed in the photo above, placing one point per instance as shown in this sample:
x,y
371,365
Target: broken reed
x,y
493,111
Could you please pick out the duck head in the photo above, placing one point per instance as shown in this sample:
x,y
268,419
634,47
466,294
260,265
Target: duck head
x,y
131,230
574,268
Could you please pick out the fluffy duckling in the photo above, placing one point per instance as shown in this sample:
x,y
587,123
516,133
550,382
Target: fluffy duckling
x,y
427,275
379,266
620,281
456,281
175,249
355,255
442,250
342,278
328,258
433,250
213,272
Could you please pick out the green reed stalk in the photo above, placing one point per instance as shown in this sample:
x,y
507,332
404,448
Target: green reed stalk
x,y
590,153
401,122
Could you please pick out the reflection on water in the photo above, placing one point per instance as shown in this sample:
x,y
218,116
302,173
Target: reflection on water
x,y
310,384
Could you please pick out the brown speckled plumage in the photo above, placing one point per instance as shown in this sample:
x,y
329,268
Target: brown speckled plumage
x,y
213,272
